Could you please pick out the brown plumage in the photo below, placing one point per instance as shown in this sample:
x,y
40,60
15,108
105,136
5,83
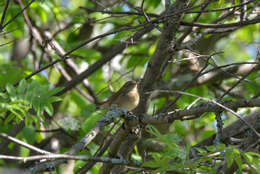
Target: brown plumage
x,y
126,97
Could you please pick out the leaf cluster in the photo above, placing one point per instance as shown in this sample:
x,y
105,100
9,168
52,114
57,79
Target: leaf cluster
x,y
27,99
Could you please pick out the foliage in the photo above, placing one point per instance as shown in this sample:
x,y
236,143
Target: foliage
x,y
19,100
175,158
172,158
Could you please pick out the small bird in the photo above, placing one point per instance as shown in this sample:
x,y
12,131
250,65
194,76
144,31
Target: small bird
x,y
126,97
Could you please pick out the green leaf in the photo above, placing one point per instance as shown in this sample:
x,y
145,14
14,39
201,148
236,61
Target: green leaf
x,y
55,90
49,109
9,74
11,90
91,121
201,151
21,89
179,128
152,130
53,99
229,156
248,158
29,134
239,162
16,113
89,54
9,118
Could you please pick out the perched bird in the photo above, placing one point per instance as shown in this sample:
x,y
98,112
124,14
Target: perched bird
x,y
126,97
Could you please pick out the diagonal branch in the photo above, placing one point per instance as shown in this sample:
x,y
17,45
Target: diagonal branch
x,y
106,58
3,135
165,49
4,14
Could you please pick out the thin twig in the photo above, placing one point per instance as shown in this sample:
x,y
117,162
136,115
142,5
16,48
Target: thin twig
x,y
20,12
3,15
186,86
223,9
222,106
238,82
74,157
235,24
24,144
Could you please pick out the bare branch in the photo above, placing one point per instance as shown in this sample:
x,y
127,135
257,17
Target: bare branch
x,y
24,144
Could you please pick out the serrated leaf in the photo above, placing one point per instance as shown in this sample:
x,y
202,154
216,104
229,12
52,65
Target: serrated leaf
x,y
49,109
53,99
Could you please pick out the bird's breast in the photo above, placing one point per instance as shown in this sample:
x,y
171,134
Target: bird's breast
x,y
132,99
